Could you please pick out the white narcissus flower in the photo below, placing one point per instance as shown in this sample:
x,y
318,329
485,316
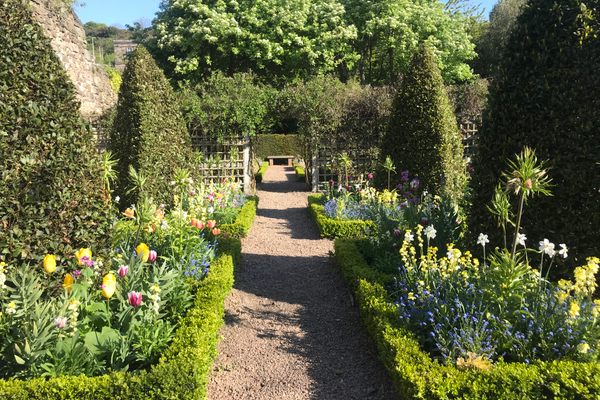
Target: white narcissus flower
x,y
521,238
409,237
483,239
547,247
117,199
563,250
430,232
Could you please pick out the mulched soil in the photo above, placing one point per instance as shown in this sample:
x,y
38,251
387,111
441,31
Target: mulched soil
x,y
291,329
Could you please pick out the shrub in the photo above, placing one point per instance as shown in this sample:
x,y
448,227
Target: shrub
x,y
115,78
334,228
51,197
149,132
423,136
239,229
416,375
266,145
261,172
300,172
545,96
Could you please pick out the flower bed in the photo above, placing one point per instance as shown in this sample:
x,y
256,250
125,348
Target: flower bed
x,y
417,375
84,317
335,228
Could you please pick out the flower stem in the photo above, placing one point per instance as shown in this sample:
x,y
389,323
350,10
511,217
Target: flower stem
x,y
518,226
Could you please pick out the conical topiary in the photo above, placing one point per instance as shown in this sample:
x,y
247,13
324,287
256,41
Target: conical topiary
x,y
547,96
423,135
51,192
149,132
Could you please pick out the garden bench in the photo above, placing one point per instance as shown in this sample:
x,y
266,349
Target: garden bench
x,y
289,159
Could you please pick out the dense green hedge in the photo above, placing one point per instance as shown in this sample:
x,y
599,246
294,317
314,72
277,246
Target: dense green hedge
x,y
277,145
261,172
239,229
52,198
300,172
332,228
416,375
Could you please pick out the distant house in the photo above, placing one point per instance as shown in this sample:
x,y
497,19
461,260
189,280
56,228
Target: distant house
x,y
122,48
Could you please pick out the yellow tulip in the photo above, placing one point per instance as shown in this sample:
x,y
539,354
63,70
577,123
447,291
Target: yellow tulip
x,y
143,252
109,285
83,253
68,283
50,263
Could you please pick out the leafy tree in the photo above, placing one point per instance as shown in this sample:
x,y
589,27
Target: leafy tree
x,y
545,96
295,38
423,136
390,31
149,132
491,44
51,197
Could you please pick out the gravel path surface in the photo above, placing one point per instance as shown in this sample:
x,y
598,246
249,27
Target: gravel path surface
x,y
291,331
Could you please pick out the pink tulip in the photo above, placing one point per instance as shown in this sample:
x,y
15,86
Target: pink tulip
x,y
216,232
152,256
123,271
211,224
135,299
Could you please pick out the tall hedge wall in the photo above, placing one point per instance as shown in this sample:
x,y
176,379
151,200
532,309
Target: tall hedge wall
x,y
51,196
149,132
265,145
423,135
547,96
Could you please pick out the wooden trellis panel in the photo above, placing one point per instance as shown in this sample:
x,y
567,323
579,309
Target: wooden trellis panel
x,y
469,129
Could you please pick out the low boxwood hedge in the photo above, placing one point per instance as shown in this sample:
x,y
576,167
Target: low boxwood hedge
x,y
261,172
300,173
184,369
333,228
416,375
239,229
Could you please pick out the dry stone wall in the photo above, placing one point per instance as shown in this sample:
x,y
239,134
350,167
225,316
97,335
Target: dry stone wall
x,y
66,33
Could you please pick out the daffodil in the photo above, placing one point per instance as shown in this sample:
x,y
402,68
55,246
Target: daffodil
x,y
49,263
143,252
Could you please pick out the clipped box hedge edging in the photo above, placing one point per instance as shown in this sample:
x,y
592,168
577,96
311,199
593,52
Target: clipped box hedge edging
x,y
333,228
239,229
183,370
417,376
300,172
261,172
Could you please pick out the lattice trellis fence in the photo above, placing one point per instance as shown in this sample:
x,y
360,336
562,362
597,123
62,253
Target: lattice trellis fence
x,y
323,164
229,158
469,129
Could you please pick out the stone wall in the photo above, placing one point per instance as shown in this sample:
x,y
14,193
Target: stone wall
x,y
66,33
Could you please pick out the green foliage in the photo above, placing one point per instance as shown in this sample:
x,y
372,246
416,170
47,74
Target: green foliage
x,y
261,172
492,43
423,136
334,228
297,38
239,229
390,31
266,145
51,192
149,131
534,102
469,99
416,375
115,78
300,173
226,107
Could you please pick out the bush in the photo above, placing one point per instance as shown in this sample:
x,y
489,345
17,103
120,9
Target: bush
x,y
149,132
549,103
261,172
416,375
239,229
334,228
115,78
266,145
51,196
300,173
423,136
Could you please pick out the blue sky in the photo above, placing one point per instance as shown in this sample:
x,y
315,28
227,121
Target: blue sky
x,y
121,12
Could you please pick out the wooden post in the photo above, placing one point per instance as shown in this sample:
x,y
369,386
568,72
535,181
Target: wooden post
x,y
315,169
247,167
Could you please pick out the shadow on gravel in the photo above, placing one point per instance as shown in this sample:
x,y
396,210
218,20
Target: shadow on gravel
x,y
294,220
291,184
342,358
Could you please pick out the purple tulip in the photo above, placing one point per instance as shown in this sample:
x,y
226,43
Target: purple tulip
x,y
123,271
135,299
152,256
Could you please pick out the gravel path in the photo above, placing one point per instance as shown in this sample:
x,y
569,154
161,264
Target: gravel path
x,y
291,331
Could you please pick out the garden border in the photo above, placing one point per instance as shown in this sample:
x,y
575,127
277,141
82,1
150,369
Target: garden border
x,y
264,165
183,370
300,172
332,228
416,375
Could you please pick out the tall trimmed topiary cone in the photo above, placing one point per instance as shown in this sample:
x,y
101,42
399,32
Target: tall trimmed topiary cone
x,y
149,132
51,188
423,135
547,96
